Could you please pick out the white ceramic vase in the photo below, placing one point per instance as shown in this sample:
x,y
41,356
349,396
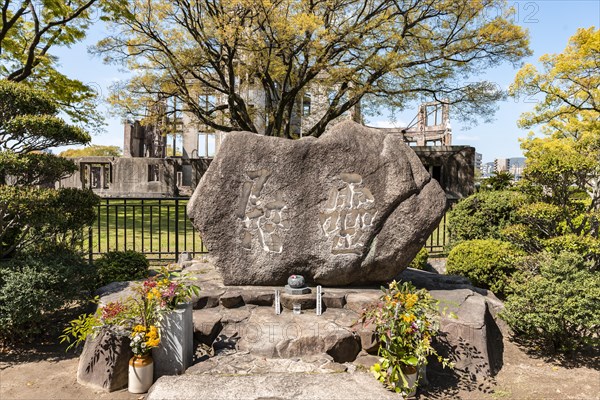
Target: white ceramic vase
x,y
141,374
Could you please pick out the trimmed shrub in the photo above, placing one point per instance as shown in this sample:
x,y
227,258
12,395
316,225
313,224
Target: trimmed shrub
x,y
34,285
420,260
586,246
487,263
40,216
483,215
117,266
556,303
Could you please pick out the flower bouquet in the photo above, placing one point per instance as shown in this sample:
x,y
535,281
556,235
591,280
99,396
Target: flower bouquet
x,y
138,316
406,320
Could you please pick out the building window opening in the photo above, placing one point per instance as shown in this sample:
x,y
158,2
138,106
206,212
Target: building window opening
x,y
306,104
433,115
96,175
175,148
207,102
153,173
206,144
436,173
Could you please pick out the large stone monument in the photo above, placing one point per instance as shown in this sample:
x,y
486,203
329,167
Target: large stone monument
x,y
351,207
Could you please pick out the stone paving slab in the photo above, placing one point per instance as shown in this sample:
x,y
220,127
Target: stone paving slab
x,y
244,363
292,386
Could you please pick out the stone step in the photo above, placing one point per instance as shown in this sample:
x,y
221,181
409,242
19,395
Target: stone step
x,y
333,386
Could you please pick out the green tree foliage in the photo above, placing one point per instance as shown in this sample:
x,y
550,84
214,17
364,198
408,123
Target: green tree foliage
x,y
501,180
34,168
93,150
28,32
556,302
487,263
483,215
560,172
569,84
555,292
562,167
207,54
31,214
28,121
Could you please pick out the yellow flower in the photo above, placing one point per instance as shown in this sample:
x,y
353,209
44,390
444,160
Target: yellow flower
x,y
152,342
410,300
139,328
408,318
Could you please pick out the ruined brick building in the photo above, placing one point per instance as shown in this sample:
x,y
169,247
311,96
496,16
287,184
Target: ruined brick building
x,y
146,170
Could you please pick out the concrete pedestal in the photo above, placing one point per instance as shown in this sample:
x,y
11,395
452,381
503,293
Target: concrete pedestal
x,y
175,352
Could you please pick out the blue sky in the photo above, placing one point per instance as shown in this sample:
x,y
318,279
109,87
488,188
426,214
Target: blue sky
x,y
550,24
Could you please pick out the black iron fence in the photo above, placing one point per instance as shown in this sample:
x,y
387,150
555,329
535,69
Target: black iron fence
x,y
437,241
156,227
160,229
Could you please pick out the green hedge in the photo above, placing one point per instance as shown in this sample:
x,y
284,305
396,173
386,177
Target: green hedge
x,y
36,284
556,303
117,266
420,260
487,263
482,215
586,246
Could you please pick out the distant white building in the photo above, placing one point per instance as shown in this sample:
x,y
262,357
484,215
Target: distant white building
x,y
514,165
478,162
501,164
517,164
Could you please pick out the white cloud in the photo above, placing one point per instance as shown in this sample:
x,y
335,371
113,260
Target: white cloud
x,y
386,123
466,138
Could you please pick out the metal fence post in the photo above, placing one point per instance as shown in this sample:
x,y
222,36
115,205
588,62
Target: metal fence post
x,y
176,229
90,245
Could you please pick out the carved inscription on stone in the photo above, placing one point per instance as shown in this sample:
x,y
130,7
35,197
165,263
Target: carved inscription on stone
x,y
264,217
348,215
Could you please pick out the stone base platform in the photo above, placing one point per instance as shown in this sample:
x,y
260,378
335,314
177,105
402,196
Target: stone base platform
x,y
240,333
300,386
469,325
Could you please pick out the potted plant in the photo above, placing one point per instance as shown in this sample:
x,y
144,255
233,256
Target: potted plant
x,y
142,319
405,321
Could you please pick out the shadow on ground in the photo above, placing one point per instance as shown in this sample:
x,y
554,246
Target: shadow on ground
x,y
44,347
589,358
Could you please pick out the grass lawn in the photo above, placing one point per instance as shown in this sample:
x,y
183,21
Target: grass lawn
x,y
160,228
157,227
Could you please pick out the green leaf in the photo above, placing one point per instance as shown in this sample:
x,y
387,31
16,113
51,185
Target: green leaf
x,y
413,361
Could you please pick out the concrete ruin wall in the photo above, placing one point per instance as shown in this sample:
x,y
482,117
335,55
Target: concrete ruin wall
x,y
452,166
124,176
